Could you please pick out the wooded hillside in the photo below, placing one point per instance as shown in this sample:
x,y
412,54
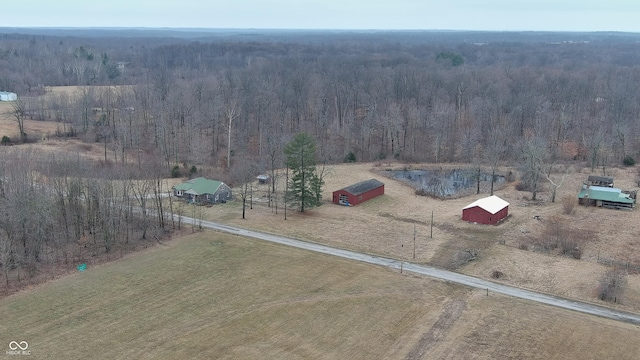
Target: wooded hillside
x,y
414,96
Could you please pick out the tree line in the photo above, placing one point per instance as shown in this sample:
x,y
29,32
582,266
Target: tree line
x,y
208,101
61,210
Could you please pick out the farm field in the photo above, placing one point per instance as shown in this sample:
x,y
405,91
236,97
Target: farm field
x,y
43,129
210,295
9,126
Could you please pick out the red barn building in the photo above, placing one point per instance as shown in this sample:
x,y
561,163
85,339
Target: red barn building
x,y
489,210
358,193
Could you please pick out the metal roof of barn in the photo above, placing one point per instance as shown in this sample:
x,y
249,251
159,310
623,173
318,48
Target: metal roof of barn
x,y
199,186
363,186
492,204
605,194
600,180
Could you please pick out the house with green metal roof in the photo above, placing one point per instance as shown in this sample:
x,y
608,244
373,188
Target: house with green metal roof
x,y
203,191
608,197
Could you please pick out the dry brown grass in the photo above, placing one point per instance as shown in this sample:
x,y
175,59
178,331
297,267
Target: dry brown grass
x,y
44,129
219,296
35,129
385,226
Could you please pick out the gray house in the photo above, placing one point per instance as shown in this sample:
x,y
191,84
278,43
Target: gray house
x,y
203,191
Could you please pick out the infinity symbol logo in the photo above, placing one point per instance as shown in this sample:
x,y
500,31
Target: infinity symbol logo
x,y
22,345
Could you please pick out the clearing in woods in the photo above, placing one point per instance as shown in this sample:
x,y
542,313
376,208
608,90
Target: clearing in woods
x,y
43,131
385,226
212,295
9,126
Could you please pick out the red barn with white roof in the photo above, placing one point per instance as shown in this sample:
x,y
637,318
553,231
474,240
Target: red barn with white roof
x,y
489,210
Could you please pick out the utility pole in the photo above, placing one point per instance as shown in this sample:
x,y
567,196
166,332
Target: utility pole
x,y
432,224
414,241
193,215
286,190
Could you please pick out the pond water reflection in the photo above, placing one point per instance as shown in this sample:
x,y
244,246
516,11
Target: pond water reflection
x,y
445,183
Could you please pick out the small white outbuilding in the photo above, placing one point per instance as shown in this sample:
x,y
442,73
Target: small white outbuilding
x,y
8,96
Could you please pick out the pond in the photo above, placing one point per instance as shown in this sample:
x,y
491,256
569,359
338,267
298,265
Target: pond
x,y
447,183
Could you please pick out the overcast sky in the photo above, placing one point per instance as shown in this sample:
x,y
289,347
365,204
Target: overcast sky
x,y
544,15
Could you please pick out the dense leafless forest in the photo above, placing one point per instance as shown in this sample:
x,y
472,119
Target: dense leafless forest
x,y
415,96
224,99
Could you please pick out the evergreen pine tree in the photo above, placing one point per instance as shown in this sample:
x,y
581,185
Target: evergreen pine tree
x,y
305,187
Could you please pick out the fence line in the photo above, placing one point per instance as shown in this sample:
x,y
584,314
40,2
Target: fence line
x,y
631,267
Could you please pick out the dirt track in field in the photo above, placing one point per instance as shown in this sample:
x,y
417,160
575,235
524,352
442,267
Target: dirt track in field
x,y
438,331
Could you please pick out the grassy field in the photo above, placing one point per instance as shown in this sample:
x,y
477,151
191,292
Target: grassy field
x,y
385,226
9,126
210,296
40,130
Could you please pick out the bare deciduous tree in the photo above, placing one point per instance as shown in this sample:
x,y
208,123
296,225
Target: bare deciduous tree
x,y
245,174
19,113
231,115
549,173
532,152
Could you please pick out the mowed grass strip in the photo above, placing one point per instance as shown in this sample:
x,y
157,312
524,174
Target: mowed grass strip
x,y
217,296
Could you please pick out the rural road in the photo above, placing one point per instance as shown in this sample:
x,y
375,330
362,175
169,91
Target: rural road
x,y
429,271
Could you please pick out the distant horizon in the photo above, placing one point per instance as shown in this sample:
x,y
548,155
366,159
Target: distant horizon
x,y
455,15
303,29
